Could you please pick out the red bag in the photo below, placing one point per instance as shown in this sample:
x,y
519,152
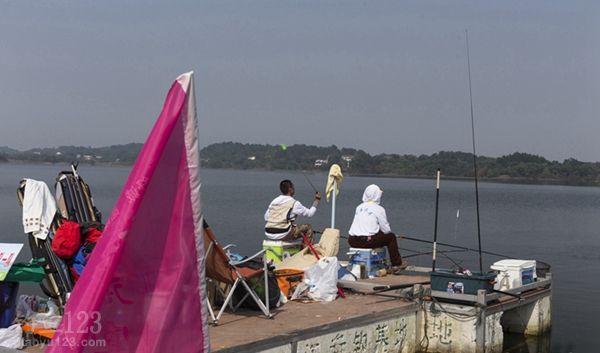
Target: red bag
x,y
93,234
67,240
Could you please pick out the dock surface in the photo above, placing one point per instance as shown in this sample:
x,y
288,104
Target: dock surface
x,y
243,329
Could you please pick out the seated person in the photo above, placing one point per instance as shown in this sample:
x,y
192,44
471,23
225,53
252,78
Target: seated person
x,y
370,228
282,213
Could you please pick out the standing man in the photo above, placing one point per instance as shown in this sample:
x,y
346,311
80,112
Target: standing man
x,y
282,213
370,228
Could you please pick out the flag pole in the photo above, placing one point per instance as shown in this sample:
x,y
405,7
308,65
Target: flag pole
x,y
333,205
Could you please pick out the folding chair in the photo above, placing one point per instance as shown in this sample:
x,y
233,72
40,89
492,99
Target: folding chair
x,y
220,268
58,283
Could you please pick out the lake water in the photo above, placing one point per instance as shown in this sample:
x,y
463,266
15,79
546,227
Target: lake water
x,y
556,224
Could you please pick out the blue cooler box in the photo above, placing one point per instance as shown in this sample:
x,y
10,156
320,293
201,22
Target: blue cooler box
x,y
373,260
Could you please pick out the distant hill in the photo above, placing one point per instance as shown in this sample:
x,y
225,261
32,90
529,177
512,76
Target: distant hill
x,y
116,154
5,150
516,167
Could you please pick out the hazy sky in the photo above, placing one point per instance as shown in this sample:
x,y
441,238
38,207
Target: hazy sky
x,y
384,76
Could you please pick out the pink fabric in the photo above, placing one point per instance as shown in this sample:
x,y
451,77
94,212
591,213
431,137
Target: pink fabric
x,y
143,288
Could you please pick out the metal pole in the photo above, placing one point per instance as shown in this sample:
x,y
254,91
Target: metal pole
x,y
333,205
437,201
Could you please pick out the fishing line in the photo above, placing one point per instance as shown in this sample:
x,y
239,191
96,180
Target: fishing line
x,y
474,153
455,246
309,182
420,253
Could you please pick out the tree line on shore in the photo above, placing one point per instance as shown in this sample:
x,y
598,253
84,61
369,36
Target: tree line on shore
x,y
516,167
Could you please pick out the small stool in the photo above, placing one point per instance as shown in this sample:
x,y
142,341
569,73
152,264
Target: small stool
x,y
278,250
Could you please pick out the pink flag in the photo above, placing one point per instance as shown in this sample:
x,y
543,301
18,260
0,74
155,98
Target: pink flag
x,y
143,288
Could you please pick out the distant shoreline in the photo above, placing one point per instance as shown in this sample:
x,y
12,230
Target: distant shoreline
x,y
503,180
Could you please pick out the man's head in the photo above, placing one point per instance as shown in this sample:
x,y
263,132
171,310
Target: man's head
x,y
287,187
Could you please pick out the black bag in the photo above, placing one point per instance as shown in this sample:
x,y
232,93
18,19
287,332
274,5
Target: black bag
x,y
258,285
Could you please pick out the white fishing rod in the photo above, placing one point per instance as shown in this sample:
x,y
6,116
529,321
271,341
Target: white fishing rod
x,y
437,201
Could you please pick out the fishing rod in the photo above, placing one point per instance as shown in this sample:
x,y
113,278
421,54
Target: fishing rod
x,y
474,153
544,265
458,247
455,246
444,253
310,182
520,297
437,202
420,253
389,287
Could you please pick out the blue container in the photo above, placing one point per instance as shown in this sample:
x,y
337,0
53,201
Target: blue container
x,y
527,277
366,255
372,260
8,302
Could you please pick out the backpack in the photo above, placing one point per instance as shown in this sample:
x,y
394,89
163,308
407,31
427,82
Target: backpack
x,y
258,285
81,258
91,233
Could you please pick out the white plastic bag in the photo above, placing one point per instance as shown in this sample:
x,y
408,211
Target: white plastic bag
x,y
11,337
322,279
47,320
25,306
28,307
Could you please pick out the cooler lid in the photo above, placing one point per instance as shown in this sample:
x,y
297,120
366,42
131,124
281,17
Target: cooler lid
x,y
513,264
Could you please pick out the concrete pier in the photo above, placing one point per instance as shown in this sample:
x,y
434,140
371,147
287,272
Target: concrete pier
x,y
407,320
479,322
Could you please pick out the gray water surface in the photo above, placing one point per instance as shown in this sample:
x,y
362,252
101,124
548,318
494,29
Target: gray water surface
x,y
556,224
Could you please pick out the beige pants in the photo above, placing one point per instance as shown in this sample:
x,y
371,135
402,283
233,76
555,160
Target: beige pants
x,y
297,230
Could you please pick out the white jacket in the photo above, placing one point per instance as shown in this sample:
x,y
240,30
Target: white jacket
x,y
39,208
370,217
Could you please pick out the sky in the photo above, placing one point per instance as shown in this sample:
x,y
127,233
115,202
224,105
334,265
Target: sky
x,y
382,76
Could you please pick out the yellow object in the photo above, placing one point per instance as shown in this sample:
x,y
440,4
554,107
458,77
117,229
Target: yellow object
x,y
278,250
335,174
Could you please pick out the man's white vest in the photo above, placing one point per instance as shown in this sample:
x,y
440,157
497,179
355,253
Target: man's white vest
x,y
278,217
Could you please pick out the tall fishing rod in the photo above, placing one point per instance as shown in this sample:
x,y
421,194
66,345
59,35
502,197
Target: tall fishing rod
x,y
416,253
437,201
456,247
474,153
310,182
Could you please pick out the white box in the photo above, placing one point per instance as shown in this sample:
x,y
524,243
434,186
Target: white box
x,y
513,273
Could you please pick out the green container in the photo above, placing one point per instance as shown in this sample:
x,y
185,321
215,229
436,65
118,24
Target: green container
x,y
278,250
449,282
25,272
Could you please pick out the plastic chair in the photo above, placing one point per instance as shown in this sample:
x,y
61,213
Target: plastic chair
x,y
220,268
